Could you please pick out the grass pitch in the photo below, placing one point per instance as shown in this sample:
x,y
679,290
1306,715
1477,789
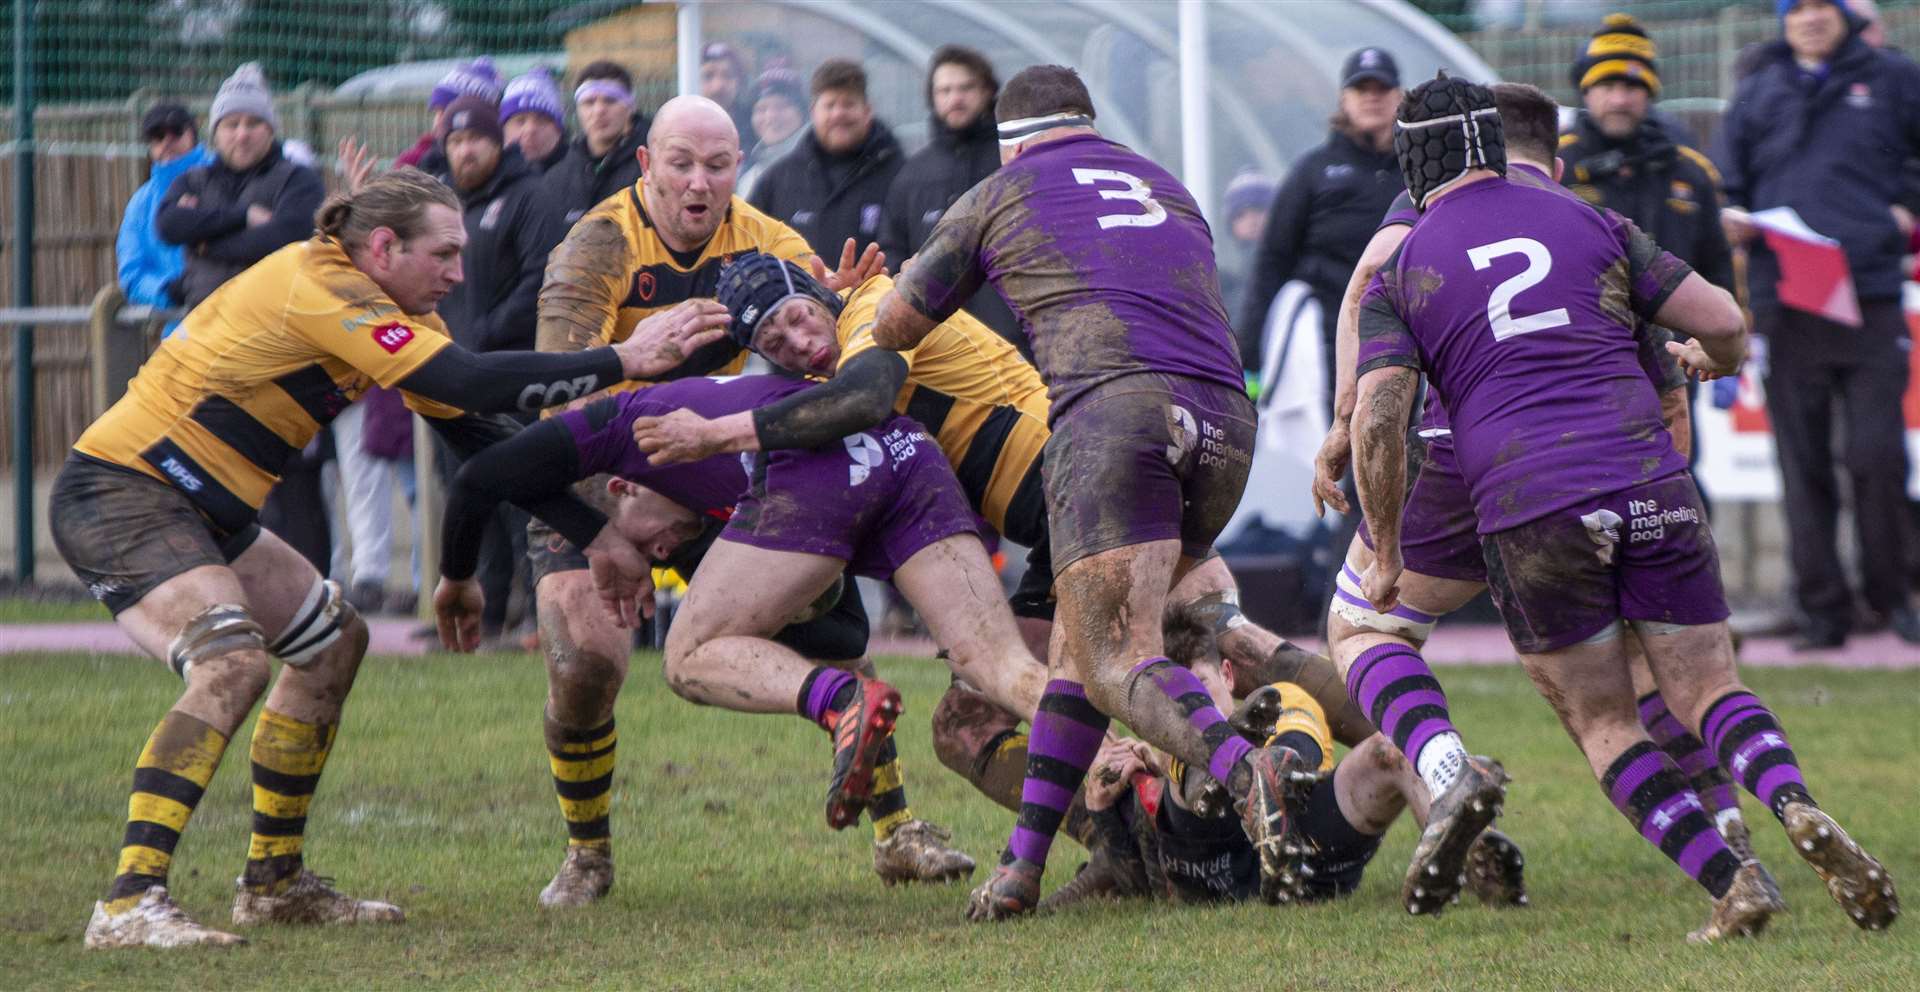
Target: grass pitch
x,y
438,798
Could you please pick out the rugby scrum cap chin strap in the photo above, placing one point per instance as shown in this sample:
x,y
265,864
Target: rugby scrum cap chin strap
x,y
755,284
1446,128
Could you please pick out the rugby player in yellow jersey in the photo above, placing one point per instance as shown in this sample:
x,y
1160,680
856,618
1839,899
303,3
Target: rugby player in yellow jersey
x,y
155,510
653,245
987,408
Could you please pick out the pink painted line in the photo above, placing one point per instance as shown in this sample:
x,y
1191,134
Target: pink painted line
x,y
389,635
1461,644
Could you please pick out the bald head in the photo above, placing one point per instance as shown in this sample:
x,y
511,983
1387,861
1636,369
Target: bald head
x,y
694,117
688,170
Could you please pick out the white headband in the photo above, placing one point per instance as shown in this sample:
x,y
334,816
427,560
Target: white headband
x,y
1015,131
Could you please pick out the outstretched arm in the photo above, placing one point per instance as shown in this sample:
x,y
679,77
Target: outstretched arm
x,y
1336,452
859,396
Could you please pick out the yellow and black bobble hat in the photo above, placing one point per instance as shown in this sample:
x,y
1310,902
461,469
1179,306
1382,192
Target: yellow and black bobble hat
x,y
1619,50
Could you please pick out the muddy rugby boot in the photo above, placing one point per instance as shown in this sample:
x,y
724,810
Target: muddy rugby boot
x,y
1856,881
310,899
1454,820
584,878
1270,815
1745,909
918,851
858,734
1496,870
154,921
1014,890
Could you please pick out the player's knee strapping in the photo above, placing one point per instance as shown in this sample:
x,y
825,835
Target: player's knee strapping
x,y
219,629
1221,610
1351,605
322,617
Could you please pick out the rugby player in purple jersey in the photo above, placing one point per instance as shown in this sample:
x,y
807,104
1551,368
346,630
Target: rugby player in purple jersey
x,y
882,503
1108,263
1520,305
1438,540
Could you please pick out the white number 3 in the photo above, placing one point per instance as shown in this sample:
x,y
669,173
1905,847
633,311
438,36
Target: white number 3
x,y
1500,304
1136,191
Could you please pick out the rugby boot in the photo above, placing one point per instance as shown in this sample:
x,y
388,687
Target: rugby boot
x,y
1202,794
917,851
1270,815
859,731
1254,718
154,921
1496,870
1014,890
1456,817
584,878
310,899
1856,881
1745,909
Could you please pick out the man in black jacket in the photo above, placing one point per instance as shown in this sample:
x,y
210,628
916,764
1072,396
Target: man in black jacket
x,y
1824,125
1329,204
1623,156
511,225
965,149
834,185
249,203
605,158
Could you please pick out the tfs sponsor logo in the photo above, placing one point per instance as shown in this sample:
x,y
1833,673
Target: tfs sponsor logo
x,y
392,337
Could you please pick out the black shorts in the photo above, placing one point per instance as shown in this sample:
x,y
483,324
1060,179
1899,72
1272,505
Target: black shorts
x,y
1033,597
840,634
1341,853
124,533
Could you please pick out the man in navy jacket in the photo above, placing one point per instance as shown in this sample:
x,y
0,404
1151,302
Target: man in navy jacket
x,y
1824,125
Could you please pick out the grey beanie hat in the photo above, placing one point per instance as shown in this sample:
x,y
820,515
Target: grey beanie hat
x,y
245,92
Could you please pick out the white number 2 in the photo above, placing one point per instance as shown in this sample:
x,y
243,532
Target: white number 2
x,y
1136,191
1500,304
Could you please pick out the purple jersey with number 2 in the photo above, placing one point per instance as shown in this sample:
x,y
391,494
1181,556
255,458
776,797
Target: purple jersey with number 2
x,y
1104,256
1520,304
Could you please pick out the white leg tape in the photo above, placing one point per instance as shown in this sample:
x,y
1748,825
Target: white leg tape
x,y
319,622
1351,605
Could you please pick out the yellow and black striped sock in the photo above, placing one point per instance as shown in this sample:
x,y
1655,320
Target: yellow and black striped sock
x,y
168,781
288,756
582,763
888,808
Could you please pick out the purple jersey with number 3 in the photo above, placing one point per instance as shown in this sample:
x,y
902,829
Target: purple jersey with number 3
x,y
1521,303
1104,256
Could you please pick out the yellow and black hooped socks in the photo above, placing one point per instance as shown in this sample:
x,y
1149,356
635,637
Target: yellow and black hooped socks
x,y
582,762
171,776
888,808
288,756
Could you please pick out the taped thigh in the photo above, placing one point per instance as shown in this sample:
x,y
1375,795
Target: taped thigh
x,y
219,629
1404,620
321,619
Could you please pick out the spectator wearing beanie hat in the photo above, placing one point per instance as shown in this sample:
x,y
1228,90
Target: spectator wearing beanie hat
x,y
249,202
476,78
1249,195
1624,155
534,117
1824,125
778,104
511,224
723,79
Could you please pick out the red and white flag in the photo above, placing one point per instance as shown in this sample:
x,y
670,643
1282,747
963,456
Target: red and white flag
x,y
1814,276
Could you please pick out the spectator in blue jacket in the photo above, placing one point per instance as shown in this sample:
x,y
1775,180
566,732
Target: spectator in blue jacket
x,y
149,267
1824,125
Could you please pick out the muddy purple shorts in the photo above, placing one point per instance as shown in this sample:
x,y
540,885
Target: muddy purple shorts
x,y
873,501
1146,457
1644,553
1438,529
